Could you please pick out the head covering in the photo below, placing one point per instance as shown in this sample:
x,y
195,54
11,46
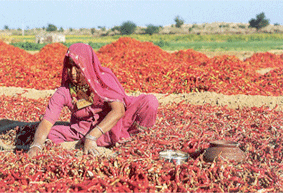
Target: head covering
x,y
101,80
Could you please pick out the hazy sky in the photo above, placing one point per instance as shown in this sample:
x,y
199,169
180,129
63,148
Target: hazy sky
x,y
110,13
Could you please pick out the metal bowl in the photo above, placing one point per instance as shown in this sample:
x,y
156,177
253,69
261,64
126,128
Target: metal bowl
x,y
172,156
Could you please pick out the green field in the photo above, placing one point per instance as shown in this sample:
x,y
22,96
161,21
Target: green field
x,y
256,46
218,42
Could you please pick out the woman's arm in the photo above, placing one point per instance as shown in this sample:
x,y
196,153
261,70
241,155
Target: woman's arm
x,y
40,136
110,120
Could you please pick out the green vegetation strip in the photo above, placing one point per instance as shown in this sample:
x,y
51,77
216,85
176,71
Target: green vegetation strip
x,y
215,42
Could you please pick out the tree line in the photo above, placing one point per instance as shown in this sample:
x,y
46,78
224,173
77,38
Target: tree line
x,y
129,27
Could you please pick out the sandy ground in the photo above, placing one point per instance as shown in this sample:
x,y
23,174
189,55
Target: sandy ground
x,y
242,55
232,101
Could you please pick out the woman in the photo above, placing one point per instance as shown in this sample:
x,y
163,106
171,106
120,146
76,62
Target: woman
x,y
102,114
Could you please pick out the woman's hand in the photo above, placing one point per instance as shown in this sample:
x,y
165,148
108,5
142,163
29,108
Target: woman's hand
x,y
33,152
90,147
39,138
111,119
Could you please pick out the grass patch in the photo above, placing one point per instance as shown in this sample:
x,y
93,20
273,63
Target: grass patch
x,y
213,42
257,46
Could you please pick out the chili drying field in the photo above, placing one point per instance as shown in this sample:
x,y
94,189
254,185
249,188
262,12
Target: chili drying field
x,y
182,124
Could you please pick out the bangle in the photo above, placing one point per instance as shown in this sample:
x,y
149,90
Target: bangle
x,y
36,145
99,128
88,136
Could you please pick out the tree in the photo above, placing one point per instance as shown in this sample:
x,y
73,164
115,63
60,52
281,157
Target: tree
x,y
259,22
102,28
151,29
92,30
115,28
6,27
127,28
179,22
51,27
61,29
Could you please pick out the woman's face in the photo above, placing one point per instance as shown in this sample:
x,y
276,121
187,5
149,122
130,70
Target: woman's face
x,y
73,71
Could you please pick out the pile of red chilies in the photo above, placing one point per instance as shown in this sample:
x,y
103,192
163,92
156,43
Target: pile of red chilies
x,y
138,168
143,66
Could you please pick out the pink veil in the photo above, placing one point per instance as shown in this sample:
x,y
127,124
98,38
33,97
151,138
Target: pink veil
x,y
101,80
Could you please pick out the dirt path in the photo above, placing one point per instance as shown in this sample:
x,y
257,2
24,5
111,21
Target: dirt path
x,y
239,54
232,101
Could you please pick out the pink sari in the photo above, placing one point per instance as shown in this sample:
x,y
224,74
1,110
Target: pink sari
x,y
106,88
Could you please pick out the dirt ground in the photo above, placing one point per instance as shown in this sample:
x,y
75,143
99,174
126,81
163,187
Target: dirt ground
x,y
233,101
240,54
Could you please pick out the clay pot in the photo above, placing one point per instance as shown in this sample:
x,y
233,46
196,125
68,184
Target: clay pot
x,y
224,149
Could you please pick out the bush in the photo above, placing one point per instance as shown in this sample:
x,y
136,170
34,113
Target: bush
x,y
115,28
95,46
179,22
242,26
161,43
92,30
227,25
127,28
28,46
259,22
151,29
51,27
102,28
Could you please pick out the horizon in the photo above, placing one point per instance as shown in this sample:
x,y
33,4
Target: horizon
x,y
30,14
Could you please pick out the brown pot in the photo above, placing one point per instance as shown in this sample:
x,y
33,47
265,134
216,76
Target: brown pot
x,y
224,149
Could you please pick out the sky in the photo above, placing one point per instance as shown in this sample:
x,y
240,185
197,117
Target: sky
x,y
77,14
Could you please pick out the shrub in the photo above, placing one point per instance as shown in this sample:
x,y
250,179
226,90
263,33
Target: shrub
x,y
195,26
179,21
92,30
51,27
151,29
161,43
96,46
115,28
242,26
222,25
102,28
127,28
259,22
28,46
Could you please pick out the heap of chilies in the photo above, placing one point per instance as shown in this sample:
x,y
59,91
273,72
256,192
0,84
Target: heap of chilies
x,y
144,67
137,168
